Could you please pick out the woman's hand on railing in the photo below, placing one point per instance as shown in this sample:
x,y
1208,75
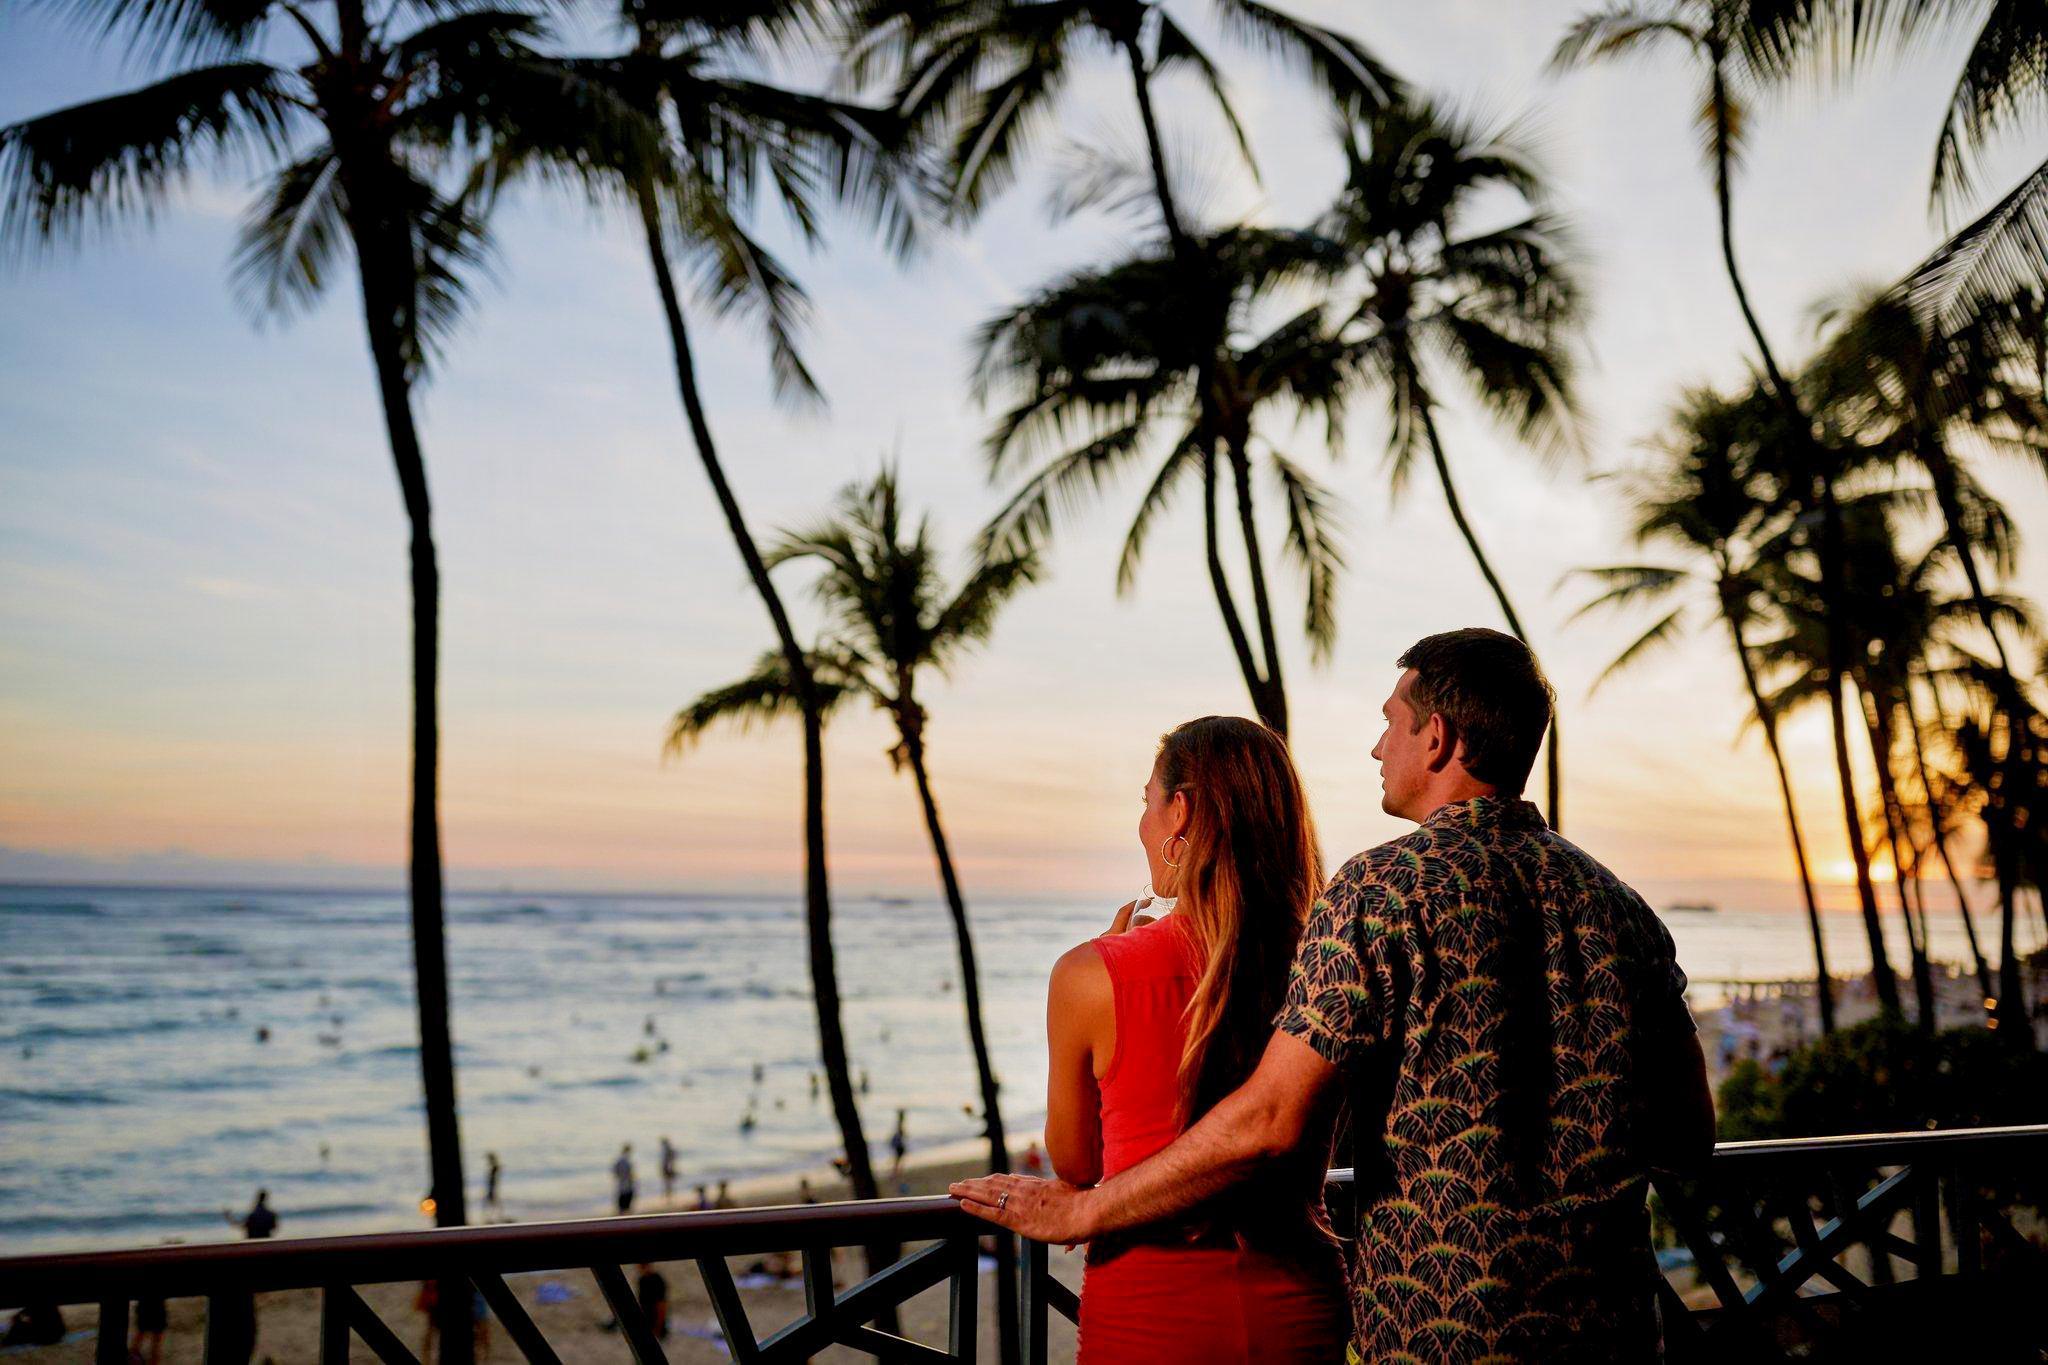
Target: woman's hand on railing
x,y
1049,1211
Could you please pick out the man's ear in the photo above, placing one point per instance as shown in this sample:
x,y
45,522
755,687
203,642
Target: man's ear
x,y
1443,744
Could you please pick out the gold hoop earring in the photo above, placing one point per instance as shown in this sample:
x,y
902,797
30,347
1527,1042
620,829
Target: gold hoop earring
x,y
1167,858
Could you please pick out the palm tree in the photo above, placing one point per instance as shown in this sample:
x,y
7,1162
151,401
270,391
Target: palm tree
x,y
358,139
1494,310
688,70
1940,789
2002,84
985,76
1707,500
1720,36
2006,774
892,618
1109,367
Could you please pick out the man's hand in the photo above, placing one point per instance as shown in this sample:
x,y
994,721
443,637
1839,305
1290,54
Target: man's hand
x,y
1049,1211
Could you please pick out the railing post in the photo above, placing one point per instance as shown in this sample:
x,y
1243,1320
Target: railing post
x,y
112,1348
1031,1321
964,1338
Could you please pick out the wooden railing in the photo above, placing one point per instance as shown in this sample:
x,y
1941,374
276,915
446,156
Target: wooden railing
x,y
1797,1248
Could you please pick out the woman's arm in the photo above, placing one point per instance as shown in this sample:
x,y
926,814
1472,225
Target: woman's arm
x,y
1080,1030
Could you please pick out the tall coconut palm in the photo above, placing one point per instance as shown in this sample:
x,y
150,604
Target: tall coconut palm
x,y
729,137
1721,39
892,619
1896,614
361,124
2006,775
2003,86
1108,368
1706,498
1940,789
1441,306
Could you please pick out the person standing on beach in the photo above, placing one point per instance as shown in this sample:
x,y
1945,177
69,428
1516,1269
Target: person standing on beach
x,y
231,1316
1506,1021
668,1171
493,1169
724,1200
899,1143
152,1320
622,1177
260,1221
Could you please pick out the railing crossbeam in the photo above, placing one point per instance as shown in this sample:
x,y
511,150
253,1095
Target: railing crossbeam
x,y
633,1324
382,1341
885,1289
732,1314
518,1326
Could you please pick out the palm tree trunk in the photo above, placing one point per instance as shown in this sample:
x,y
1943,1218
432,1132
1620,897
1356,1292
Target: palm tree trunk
x,y
1262,606
1553,774
1767,719
911,730
2011,1014
817,893
1169,211
1938,818
1879,734
1941,470
384,258
1886,983
1219,582
1823,483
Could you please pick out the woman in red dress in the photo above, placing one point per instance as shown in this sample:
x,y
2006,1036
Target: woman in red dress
x,y
1152,1023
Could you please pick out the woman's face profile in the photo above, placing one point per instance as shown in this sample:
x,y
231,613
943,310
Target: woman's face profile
x,y
1163,817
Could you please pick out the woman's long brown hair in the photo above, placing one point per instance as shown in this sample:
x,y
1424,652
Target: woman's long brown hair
x,y
1248,876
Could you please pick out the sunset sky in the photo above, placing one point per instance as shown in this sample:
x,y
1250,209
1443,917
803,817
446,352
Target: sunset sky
x,y
203,604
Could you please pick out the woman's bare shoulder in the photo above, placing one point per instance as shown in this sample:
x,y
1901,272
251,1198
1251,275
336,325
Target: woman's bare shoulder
x,y
1080,974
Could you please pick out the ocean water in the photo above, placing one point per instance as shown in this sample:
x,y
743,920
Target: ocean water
x,y
137,1102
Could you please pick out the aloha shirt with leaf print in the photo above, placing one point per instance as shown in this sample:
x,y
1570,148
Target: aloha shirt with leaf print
x,y
1498,1003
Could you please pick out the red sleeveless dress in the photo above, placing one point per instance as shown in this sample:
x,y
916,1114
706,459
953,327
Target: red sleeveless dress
x,y
1194,1292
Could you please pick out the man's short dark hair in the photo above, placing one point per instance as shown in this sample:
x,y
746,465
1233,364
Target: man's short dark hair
x,y
1491,691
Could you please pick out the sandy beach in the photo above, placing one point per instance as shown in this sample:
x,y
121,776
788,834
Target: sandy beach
x,y
288,1322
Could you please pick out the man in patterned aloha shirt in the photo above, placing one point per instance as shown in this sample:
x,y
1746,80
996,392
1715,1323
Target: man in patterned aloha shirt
x,y
1505,1019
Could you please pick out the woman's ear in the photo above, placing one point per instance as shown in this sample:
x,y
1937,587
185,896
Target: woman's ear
x,y
1179,813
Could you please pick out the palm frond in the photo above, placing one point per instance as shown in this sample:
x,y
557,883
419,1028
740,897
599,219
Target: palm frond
x,y
1662,635
291,237
123,156
970,616
1340,66
2004,80
1625,585
763,697
1186,457
1059,489
195,30
1528,384
1177,48
1616,30
1314,544
738,276
2002,252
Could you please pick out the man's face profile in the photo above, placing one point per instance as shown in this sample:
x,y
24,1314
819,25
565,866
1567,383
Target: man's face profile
x,y
1402,751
